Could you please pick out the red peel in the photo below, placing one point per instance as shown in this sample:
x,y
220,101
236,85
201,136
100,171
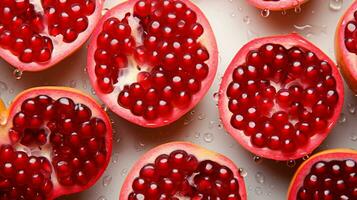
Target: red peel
x,y
275,150
48,149
142,111
276,5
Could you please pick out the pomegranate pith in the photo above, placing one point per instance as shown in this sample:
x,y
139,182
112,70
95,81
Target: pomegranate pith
x,y
181,170
35,35
346,46
280,97
151,61
276,5
58,143
328,175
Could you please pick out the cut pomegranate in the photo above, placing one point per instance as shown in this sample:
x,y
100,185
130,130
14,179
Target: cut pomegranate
x,y
280,97
152,61
181,170
276,5
346,46
37,34
329,175
59,142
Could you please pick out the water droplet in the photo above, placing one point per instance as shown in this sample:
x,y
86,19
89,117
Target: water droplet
x,y
192,112
102,198
265,13
283,12
291,163
115,158
105,107
306,157
201,116
216,96
260,178
208,137
246,19
124,171
11,91
353,137
351,108
342,118
257,159
211,124
297,9
140,146
233,15
93,91
258,191
73,83
17,74
107,180
242,172
197,134
335,5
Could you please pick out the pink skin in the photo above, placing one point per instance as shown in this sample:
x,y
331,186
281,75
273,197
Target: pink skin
x,y
110,99
61,49
225,114
276,5
78,97
346,60
199,152
304,169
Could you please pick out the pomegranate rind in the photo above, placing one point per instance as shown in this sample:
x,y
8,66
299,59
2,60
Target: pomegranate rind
x,y
207,39
225,114
78,97
61,49
304,169
276,5
198,151
346,60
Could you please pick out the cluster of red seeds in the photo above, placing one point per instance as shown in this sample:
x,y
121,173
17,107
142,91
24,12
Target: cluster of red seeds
x,y
22,28
351,35
23,176
330,180
170,46
281,97
180,174
77,138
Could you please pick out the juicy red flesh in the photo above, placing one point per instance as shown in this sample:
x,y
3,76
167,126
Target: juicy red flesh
x,y
351,35
336,179
72,137
28,33
281,97
170,49
180,174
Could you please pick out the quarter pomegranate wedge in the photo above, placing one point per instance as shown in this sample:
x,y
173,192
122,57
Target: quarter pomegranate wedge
x,y
182,170
329,175
276,5
346,46
151,61
53,142
37,34
280,97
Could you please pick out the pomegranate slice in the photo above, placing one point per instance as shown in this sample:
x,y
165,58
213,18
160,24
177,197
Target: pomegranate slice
x,y
181,170
58,142
280,97
37,34
329,175
346,46
152,61
276,5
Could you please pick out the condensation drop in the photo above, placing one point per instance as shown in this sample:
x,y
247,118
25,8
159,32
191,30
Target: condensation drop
x,y
342,118
73,83
257,159
201,116
258,191
335,5
3,87
353,137
197,134
124,172
107,180
102,198
291,163
260,178
17,74
306,157
265,13
93,91
351,108
208,137
140,146
115,158
297,9
105,107
246,19
283,12
242,172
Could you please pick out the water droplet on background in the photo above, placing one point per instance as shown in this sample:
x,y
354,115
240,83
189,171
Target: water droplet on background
x,y
291,163
353,137
306,157
17,74
242,172
258,191
351,108
201,116
257,159
246,19
107,180
297,9
260,178
335,5
342,118
265,13
208,137
115,158
124,172
102,198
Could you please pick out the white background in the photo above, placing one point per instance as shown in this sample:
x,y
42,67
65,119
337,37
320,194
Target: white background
x,y
234,23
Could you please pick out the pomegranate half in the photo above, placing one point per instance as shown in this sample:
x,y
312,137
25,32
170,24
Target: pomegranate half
x,y
276,5
35,35
346,46
54,141
181,170
151,61
280,97
329,175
